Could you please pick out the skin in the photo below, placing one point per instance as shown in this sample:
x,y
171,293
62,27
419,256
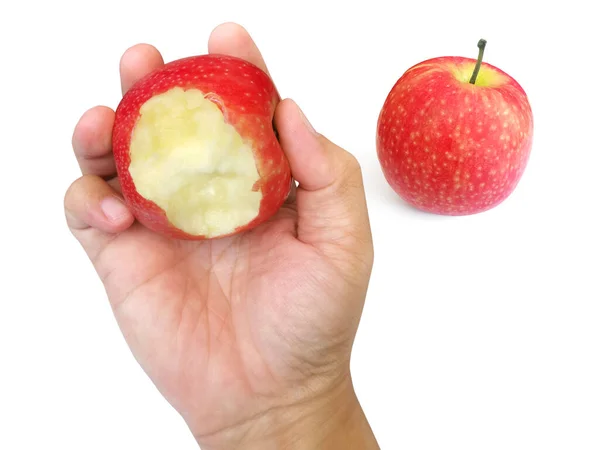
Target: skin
x,y
248,337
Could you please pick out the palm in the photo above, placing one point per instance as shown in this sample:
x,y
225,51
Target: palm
x,y
217,320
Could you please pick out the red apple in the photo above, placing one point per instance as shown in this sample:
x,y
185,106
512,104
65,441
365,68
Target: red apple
x,y
196,152
454,135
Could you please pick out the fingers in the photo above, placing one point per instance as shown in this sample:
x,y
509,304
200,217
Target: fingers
x,y
136,62
92,142
91,203
330,197
233,40
93,133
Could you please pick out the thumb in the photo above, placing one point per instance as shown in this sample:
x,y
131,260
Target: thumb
x,y
332,209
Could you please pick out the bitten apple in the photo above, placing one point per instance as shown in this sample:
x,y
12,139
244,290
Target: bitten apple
x,y
196,152
454,135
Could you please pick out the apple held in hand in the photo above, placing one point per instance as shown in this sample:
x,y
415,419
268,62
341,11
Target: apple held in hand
x,y
454,135
196,153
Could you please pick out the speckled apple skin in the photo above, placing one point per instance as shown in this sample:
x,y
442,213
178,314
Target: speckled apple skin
x,y
449,147
247,98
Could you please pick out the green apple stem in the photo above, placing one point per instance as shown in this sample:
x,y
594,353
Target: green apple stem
x,y
481,46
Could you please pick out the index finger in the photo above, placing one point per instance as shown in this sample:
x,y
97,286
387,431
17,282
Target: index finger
x,y
233,40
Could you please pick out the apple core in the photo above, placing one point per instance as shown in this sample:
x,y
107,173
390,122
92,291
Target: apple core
x,y
194,165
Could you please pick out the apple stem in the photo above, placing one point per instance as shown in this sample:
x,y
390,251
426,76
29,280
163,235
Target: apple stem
x,y
481,46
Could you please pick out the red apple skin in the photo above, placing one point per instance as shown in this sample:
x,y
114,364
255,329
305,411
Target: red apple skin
x,y
246,96
449,147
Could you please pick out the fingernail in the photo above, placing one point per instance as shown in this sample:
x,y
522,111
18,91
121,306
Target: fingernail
x,y
306,122
114,209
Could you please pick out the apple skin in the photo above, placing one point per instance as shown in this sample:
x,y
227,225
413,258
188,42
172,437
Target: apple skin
x,y
247,98
449,147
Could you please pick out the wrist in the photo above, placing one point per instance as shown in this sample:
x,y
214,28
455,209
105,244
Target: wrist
x,y
331,420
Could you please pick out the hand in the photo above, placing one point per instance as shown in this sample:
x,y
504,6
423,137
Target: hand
x,y
248,337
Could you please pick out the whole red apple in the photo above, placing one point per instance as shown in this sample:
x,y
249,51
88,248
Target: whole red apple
x,y
196,152
454,135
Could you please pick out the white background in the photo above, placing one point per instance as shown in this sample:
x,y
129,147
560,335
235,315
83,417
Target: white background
x,y
479,333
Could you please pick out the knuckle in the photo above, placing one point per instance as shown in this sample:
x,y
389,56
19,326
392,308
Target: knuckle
x,y
71,192
75,190
351,161
352,168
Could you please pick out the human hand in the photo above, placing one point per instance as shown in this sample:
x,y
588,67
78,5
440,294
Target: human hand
x,y
248,337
